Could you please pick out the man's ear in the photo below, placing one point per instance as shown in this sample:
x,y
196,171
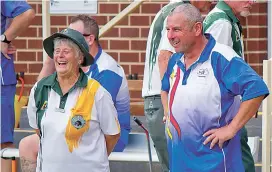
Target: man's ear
x,y
198,27
91,40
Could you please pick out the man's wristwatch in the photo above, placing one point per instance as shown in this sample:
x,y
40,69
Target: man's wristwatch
x,y
4,39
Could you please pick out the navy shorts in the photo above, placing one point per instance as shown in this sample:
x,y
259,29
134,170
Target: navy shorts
x,y
7,112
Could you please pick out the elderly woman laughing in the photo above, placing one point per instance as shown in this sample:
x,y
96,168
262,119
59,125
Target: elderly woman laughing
x,y
73,115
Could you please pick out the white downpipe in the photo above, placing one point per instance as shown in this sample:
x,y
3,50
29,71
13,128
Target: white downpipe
x,y
46,29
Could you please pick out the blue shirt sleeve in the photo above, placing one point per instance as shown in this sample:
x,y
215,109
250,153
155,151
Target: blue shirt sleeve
x,y
11,8
240,79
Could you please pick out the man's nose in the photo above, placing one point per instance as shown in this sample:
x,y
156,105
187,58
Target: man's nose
x,y
170,34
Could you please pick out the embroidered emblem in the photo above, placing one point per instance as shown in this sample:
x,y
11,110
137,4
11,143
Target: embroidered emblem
x,y
173,74
78,121
65,31
202,72
44,106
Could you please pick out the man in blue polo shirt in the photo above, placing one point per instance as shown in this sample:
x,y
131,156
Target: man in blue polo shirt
x,y
202,82
15,18
106,71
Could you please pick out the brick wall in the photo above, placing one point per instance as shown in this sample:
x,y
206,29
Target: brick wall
x,y
126,42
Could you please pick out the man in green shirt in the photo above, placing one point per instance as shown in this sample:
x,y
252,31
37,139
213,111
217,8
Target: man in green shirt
x,y
222,23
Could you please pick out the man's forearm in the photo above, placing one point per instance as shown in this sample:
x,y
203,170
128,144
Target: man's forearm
x,y
47,69
111,141
164,100
19,24
246,112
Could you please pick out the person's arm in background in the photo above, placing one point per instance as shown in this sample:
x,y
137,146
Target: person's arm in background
x,y
47,69
107,116
166,86
22,15
165,52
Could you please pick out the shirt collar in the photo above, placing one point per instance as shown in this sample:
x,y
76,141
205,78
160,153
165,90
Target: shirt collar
x,y
81,82
226,8
204,56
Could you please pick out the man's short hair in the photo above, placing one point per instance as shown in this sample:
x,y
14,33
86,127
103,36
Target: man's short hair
x,y
90,25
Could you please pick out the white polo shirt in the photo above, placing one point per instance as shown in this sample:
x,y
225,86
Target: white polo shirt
x,y
157,40
225,27
73,126
201,98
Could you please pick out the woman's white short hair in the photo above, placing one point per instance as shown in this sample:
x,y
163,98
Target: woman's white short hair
x,y
58,41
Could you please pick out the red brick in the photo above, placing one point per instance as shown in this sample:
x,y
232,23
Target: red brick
x,y
258,69
35,44
39,56
62,28
257,33
108,8
114,55
21,67
129,57
104,44
119,45
257,20
144,32
113,32
101,20
33,6
139,69
150,8
52,30
245,32
245,45
151,19
260,7
39,8
37,20
30,32
19,43
242,21
135,11
138,45
26,56
124,21
58,20
30,79
40,32
139,20
129,32
35,68
257,57
126,68
257,45
142,57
